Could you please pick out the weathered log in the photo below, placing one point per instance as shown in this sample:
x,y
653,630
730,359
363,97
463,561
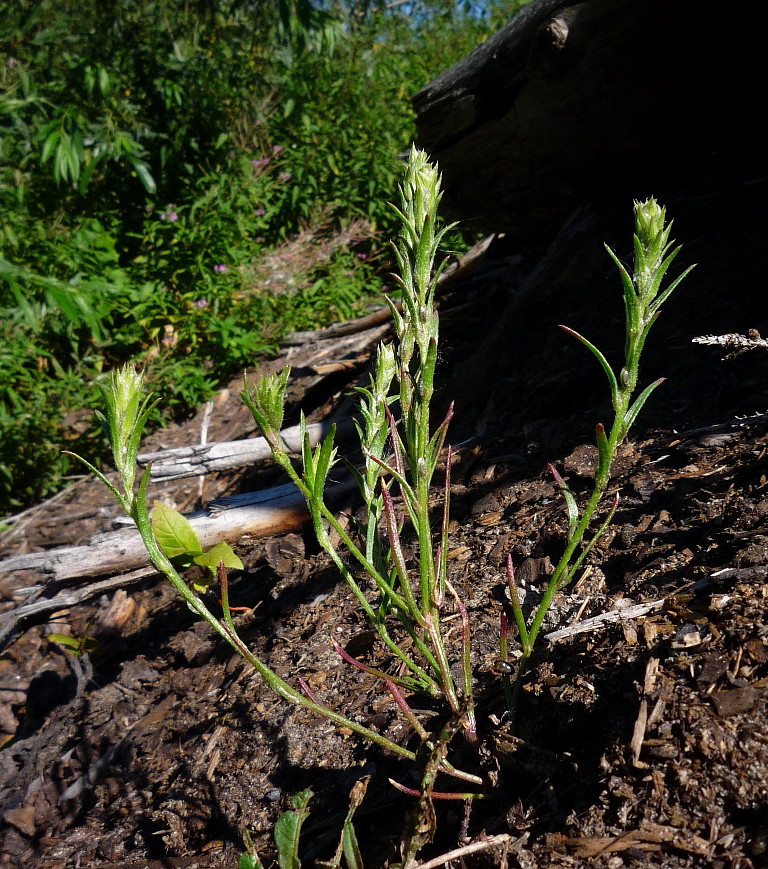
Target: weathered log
x,y
259,514
179,462
572,102
39,610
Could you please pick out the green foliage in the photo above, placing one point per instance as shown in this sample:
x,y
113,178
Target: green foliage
x,y
154,155
83,645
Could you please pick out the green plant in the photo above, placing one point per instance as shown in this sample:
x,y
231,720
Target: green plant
x,y
287,834
418,600
410,467
415,591
643,298
82,645
126,413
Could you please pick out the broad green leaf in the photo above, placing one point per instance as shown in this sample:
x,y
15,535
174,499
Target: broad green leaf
x,y
221,552
175,536
288,831
48,146
249,859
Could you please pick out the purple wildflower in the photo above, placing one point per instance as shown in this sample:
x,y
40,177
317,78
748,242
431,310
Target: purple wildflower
x,y
362,257
170,213
277,149
200,303
220,269
260,163
259,212
284,176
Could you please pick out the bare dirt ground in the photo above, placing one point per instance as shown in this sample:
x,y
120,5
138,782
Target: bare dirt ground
x,y
646,737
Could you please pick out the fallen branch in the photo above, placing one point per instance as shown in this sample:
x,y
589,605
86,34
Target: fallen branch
x,y
180,462
259,514
15,621
734,343
592,624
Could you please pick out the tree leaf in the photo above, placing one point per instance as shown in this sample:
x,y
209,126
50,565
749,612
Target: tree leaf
x,y
145,176
175,536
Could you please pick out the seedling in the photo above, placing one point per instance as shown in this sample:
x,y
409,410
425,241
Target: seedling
x,y
179,542
287,835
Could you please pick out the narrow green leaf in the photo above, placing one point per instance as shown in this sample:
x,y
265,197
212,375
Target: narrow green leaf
x,y
665,295
603,450
570,501
600,358
120,498
517,611
65,641
571,572
351,846
174,535
637,406
324,460
630,295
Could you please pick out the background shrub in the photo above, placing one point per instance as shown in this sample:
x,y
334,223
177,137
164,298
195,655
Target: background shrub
x,y
183,182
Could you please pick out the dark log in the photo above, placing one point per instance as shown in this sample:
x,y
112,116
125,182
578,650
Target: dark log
x,y
569,103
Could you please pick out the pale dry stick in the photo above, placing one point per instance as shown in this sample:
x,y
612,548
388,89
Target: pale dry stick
x,y
596,622
180,462
641,723
503,839
734,343
207,410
